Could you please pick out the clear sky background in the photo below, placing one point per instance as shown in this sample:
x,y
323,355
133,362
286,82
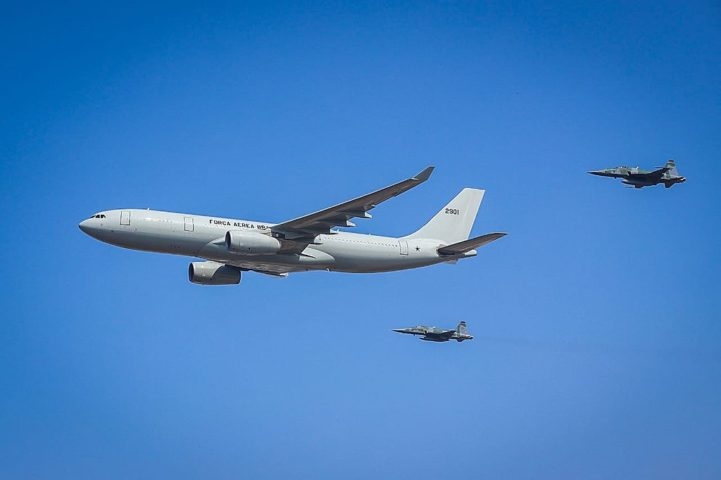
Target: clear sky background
x,y
597,350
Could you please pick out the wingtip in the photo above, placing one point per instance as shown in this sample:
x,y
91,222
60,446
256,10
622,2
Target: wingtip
x,y
494,236
425,174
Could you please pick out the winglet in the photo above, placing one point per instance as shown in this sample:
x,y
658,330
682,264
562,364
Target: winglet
x,y
424,175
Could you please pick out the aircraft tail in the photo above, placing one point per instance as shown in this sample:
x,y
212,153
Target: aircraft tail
x,y
672,170
452,224
461,328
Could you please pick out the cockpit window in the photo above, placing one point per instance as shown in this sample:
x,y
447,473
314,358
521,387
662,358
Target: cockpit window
x,y
98,215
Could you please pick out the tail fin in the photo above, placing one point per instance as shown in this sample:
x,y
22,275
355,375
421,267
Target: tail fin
x,y
461,328
671,165
453,223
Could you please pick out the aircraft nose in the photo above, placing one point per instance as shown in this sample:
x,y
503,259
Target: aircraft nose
x,y
596,172
86,226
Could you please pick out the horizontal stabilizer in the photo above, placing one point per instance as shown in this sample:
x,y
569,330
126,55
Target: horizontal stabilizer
x,y
470,244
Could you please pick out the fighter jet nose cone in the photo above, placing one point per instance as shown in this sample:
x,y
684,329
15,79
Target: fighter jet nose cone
x,y
596,172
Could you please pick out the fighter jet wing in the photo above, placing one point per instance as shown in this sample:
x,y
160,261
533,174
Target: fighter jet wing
x,y
470,244
339,215
656,174
445,334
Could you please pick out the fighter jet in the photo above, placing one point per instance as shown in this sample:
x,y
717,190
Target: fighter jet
x,y
434,334
638,178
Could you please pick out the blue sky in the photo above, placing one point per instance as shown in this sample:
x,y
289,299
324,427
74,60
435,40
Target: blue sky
x,y
596,319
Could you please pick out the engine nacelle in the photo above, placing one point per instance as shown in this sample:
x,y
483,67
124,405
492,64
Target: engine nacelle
x,y
251,243
213,273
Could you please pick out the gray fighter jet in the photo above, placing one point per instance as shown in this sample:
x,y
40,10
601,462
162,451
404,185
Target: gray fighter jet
x,y
433,334
668,175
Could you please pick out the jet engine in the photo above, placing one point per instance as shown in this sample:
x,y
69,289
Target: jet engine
x,y
251,243
213,273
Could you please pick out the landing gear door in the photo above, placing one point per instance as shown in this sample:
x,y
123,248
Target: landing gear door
x,y
125,217
404,247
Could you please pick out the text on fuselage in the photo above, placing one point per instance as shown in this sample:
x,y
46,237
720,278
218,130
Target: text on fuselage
x,y
230,223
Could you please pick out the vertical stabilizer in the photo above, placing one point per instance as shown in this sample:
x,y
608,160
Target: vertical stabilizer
x,y
461,328
452,224
671,165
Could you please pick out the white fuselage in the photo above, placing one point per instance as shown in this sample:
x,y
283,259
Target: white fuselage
x,y
204,237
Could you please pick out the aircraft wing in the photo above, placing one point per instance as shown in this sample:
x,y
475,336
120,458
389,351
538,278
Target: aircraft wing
x,y
265,268
655,175
445,334
339,215
470,244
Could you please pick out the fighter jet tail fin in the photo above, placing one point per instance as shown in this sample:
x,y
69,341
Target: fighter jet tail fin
x,y
671,168
453,222
461,328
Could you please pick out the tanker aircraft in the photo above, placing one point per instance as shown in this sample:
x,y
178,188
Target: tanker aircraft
x,y
310,242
